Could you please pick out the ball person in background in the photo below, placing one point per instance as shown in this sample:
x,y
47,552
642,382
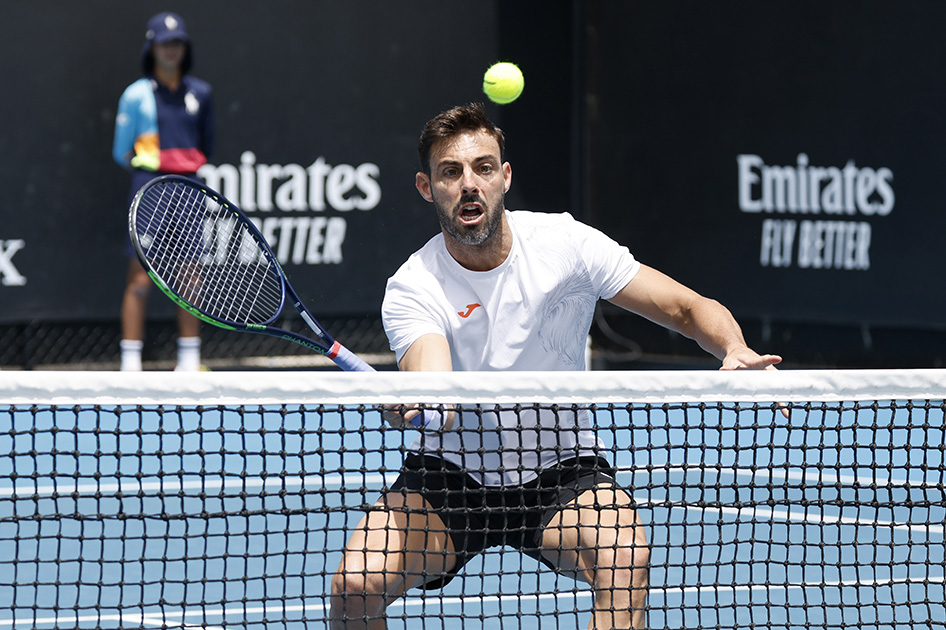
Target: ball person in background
x,y
165,124
502,290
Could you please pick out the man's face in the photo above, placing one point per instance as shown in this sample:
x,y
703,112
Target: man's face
x,y
467,185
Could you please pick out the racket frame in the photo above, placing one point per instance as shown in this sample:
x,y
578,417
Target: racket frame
x,y
323,344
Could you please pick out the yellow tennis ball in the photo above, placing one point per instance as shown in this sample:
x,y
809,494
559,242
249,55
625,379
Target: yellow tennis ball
x,y
503,82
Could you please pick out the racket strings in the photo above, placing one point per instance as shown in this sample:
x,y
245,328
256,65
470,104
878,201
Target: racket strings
x,y
165,237
245,286
246,277
205,254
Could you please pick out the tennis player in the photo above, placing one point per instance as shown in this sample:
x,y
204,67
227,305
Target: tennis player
x,y
502,290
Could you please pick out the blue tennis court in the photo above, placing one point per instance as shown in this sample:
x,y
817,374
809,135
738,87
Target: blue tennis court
x,y
236,517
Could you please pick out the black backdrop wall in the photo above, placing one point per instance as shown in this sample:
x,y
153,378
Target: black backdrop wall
x,y
782,156
785,157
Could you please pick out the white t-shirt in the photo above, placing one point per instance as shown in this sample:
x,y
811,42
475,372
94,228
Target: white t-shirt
x,y
533,312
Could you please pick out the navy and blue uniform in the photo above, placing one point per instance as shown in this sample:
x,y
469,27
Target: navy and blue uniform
x,y
177,125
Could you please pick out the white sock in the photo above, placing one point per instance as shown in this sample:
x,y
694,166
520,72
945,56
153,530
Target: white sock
x,y
188,354
131,354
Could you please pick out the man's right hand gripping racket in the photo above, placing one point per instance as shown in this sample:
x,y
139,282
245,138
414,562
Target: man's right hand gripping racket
x,y
204,253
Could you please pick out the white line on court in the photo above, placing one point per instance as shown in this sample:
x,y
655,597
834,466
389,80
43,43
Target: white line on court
x,y
188,618
376,481
25,489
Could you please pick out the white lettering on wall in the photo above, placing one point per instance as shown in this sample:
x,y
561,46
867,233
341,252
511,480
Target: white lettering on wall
x,y
298,199
839,193
807,189
256,187
10,276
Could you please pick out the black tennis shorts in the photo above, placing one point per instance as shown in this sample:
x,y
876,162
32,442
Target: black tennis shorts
x,y
478,517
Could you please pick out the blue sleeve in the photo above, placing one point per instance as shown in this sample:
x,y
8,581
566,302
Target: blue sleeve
x,y
124,141
135,116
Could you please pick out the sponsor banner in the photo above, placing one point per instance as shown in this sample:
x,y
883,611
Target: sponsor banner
x,y
301,210
10,276
784,159
821,212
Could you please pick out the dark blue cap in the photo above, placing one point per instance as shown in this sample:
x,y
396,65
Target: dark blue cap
x,y
166,27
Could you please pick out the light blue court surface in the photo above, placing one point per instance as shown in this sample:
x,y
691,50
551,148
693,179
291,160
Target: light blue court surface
x,y
236,519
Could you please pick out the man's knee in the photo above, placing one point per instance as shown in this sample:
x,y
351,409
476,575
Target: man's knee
x,y
352,600
623,564
139,288
361,586
357,581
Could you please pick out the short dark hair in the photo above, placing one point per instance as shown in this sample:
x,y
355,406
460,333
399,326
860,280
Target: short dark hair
x,y
471,117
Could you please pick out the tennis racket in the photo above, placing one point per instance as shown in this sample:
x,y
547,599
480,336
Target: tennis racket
x,y
207,256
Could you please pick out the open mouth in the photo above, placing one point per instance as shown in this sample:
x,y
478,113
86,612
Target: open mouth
x,y
470,213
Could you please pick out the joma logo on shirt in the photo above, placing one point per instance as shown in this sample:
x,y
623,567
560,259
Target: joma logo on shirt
x,y
469,310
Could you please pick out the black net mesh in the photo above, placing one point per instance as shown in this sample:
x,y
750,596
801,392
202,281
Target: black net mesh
x,y
754,515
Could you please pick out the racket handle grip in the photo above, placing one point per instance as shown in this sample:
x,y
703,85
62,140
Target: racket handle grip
x,y
348,360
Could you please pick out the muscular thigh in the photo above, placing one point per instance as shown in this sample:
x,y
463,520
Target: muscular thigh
x,y
590,531
401,538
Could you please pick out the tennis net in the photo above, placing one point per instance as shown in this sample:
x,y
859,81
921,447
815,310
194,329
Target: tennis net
x,y
797,499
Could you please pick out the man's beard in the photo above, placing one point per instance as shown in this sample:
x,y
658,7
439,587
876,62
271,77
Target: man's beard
x,y
472,235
